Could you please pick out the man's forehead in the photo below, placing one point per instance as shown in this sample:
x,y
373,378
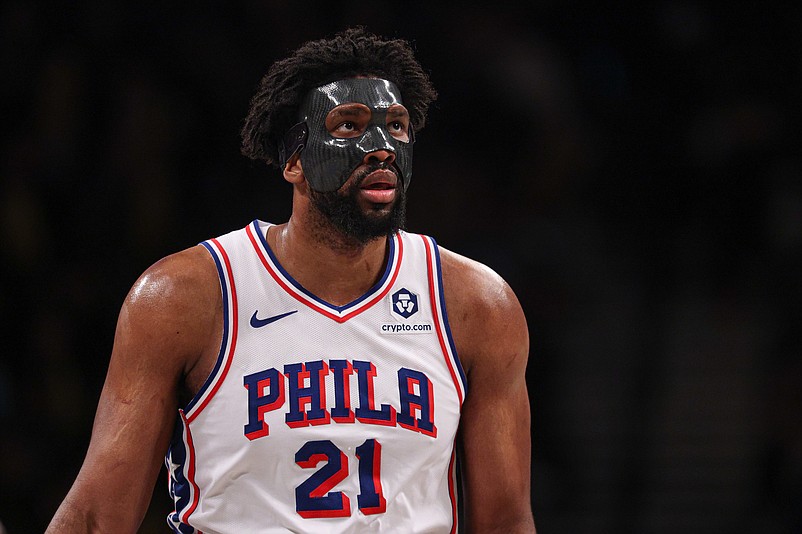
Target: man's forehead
x,y
375,93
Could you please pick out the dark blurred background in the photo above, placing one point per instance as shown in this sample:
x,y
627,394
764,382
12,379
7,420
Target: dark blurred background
x,y
634,173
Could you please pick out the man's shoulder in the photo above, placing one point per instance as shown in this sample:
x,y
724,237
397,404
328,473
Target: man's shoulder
x,y
177,280
484,314
471,282
191,275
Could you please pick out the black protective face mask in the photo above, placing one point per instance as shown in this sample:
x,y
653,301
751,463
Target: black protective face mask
x,y
328,161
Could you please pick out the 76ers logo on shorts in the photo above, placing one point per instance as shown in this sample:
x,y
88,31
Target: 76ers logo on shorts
x,y
405,303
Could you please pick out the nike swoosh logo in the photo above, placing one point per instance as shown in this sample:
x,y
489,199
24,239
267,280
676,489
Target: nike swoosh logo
x,y
259,323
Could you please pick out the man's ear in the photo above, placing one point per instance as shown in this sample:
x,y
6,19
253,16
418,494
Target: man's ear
x,y
293,172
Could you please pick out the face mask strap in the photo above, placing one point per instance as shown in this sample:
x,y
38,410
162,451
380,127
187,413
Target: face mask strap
x,y
294,140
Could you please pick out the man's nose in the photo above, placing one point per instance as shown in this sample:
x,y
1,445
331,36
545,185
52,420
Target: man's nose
x,y
380,156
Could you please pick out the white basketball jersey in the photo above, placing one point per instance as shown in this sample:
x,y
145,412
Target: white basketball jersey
x,y
322,418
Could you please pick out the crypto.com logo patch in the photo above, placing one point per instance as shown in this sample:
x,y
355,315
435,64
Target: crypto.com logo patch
x,y
404,303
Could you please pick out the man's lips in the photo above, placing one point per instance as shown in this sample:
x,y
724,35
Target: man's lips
x,y
379,186
380,179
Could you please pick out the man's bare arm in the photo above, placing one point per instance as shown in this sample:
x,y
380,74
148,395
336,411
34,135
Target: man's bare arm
x,y
166,323
493,344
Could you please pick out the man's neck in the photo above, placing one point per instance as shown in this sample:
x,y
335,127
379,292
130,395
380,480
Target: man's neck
x,y
333,267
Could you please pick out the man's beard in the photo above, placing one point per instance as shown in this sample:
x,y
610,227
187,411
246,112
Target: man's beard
x,y
341,209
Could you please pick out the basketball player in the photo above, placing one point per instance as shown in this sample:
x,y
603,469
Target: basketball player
x,y
326,374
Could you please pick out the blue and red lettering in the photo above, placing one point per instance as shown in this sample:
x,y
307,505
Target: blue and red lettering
x,y
313,395
260,403
421,401
314,498
367,412
342,371
371,497
307,401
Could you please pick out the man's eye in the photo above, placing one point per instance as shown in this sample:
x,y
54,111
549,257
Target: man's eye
x,y
348,125
397,125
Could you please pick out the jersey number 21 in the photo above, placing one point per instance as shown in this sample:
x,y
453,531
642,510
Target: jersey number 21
x,y
314,498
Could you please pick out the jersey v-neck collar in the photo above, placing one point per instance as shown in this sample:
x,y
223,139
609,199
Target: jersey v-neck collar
x,y
257,232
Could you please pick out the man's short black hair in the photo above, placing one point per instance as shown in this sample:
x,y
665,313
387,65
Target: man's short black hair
x,y
353,52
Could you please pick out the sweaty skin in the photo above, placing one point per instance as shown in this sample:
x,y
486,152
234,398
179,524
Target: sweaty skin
x,y
168,337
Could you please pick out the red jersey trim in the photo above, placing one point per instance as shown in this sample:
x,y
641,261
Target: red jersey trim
x,y
338,315
233,320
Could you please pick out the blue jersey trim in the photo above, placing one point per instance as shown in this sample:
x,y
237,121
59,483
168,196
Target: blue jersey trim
x,y
179,486
302,289
224,342
446,324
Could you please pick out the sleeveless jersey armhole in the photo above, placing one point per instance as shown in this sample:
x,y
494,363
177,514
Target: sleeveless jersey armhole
x,y
438,303
229,337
